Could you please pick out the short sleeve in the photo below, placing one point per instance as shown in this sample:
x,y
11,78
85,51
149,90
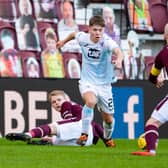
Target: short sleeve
x,y
80,36
110,44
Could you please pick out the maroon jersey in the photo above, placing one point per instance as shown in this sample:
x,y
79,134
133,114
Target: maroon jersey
x,y
161,61
70,112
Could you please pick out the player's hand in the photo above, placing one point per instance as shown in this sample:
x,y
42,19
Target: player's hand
x,y
159,83
117,63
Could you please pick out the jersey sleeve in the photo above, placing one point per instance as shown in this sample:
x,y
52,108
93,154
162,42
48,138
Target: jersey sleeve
x,y
110,44
156,69
80,37
70,113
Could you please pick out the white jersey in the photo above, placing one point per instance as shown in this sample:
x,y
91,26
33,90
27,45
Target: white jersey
x,y
96,59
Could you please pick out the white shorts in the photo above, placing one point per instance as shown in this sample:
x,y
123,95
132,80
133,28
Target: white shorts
x,y
160,113
103,94
68,133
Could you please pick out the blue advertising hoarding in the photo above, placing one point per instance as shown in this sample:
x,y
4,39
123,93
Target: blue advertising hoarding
x,y
129,112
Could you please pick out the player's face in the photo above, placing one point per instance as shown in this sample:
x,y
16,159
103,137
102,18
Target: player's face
x,y
96,33
57,101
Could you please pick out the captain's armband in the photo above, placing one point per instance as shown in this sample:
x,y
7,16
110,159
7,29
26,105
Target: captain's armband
x,y
155,71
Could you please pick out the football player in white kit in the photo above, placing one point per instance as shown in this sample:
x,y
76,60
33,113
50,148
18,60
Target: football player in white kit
x,y
96,76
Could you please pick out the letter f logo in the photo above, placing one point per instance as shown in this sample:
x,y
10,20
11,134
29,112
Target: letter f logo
x,y
130,116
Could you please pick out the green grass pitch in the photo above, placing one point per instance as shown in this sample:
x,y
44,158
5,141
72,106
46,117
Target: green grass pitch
x,y
20,155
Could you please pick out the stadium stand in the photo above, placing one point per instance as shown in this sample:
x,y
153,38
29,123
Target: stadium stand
x,y
10,12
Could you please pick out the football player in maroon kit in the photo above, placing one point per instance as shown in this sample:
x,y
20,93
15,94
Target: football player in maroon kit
x,y
159,115
65,131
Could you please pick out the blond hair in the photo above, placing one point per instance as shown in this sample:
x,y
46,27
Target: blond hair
x,y
50,33
58,92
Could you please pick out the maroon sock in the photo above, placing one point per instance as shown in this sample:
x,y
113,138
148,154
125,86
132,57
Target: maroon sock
x,y
97,132
40,131
151,136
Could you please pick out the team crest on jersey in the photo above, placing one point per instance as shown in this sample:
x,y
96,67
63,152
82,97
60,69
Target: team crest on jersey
x,y
94,53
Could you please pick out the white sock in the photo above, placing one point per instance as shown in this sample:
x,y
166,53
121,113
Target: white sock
x,y
108,129
87,117
28,133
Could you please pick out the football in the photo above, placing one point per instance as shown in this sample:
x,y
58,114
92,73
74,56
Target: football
x,y
142,142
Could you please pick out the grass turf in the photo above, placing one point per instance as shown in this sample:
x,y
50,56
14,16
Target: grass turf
x,y
20,155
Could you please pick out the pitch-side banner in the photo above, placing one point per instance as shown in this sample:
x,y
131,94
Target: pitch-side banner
x,y
24,105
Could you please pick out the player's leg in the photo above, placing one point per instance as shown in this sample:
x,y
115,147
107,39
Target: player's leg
x,y
108,125
38,132
90,99
106,106
158,117
87,115
97,132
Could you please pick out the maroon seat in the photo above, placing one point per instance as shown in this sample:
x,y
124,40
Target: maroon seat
x,y
8,10
27,59
67,56
58,9
43,14
143,27
11,62
19,12
159,14
42,26
10,27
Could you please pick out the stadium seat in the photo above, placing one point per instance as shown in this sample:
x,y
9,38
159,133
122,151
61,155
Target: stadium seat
x,y
8,26
28,58
18,11
134,22
11,65
8,10
67,56
42,26
83,27
159,14
58,9
42,12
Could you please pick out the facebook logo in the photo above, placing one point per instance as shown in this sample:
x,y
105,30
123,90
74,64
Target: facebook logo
x,y
129,112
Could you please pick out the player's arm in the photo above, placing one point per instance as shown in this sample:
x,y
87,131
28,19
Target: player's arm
x,y
154,73
119,57
77,112
153,76
70,113
61,43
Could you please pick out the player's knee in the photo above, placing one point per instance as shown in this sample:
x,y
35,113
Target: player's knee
x,y
108,120
91,103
